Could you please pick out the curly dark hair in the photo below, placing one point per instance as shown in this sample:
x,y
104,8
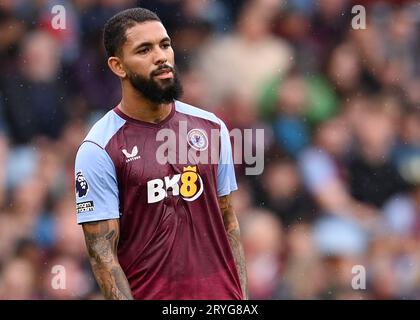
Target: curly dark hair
x,y
114,31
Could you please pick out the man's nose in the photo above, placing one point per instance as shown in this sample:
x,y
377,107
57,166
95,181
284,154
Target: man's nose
x,y
160,56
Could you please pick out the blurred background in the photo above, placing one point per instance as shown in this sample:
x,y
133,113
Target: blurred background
x,y
340,110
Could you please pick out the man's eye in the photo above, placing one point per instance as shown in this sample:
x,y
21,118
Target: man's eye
x,y
144,51
166,45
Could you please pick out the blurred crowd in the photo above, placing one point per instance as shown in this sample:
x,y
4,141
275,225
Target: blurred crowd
x,y
340,111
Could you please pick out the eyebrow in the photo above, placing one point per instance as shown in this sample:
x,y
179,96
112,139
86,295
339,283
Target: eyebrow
x,y
148,44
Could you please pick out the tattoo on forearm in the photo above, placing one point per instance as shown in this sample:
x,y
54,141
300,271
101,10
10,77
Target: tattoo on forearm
x,y
234,237
101,241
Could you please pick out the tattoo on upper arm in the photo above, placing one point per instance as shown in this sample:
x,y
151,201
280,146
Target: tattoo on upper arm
x,y
102,240
233,233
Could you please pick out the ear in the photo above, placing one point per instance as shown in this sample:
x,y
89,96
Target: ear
x,y
116,66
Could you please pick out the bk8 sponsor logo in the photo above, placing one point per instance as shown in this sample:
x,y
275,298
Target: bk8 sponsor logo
x,y
188,185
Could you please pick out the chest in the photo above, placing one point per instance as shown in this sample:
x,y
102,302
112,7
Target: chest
x,y
172,161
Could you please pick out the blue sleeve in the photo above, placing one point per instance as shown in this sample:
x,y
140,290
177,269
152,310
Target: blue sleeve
x,y
226,180
96,184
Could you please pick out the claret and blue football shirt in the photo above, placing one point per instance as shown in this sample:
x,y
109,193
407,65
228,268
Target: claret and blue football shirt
x,y
173,244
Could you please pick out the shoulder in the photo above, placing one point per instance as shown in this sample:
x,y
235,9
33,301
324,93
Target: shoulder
x,y
197,112
104,129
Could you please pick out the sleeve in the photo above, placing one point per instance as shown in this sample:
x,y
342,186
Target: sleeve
x,y
96,184
226,180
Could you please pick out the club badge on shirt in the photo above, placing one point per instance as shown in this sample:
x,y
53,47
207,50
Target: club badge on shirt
x,y
197,139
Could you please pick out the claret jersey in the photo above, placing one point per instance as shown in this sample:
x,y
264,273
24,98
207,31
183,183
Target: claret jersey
x,y
173,244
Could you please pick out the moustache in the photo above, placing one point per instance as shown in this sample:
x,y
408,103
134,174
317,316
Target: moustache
x,y
162,69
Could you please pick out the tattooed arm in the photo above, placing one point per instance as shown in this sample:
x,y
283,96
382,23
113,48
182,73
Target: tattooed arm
x,y
101,240
232,229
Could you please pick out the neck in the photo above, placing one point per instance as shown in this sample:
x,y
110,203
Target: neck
x,y
136,106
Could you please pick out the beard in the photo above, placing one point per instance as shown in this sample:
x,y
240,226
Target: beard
x,y
155,92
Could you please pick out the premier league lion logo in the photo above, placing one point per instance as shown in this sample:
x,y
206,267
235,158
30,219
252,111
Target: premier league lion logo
x,y
82,186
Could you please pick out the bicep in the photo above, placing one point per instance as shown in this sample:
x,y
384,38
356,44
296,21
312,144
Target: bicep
x,y
101,239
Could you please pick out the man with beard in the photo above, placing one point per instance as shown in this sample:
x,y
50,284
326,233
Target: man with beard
x,y
157,229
